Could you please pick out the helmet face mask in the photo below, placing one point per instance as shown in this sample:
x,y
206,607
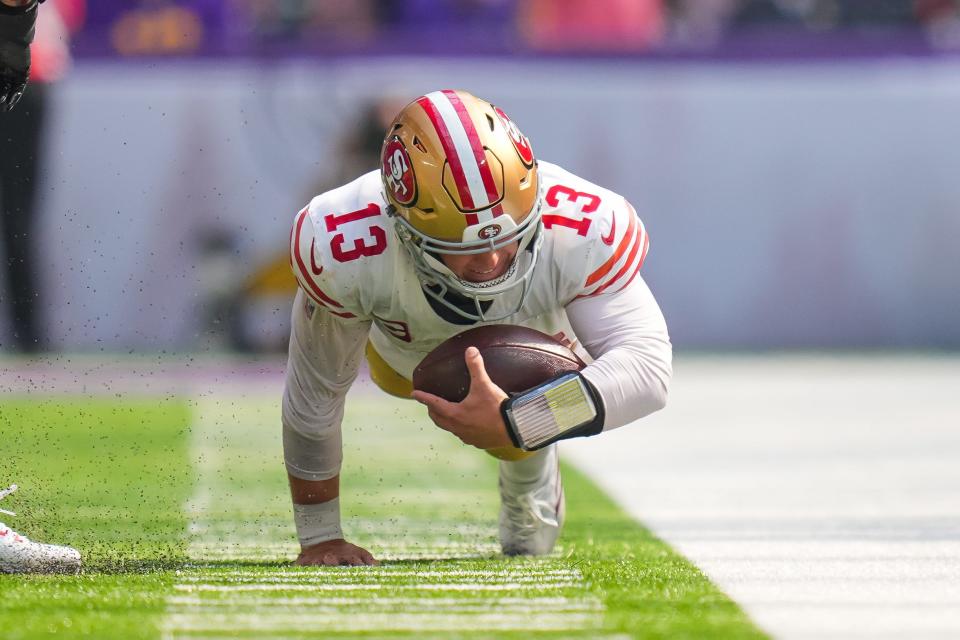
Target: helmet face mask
x,y
439,281
461,179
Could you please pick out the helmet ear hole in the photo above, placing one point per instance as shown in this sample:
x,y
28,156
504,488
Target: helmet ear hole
x,y
419,145
490,122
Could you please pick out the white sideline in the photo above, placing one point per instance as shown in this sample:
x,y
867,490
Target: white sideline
x,y
821,493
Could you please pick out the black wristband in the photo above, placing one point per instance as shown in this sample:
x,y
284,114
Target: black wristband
x,y
511,429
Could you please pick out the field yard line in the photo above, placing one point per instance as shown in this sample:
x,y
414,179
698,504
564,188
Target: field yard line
x,y
510,604
819,492
391,571
228,439
308,622
439,586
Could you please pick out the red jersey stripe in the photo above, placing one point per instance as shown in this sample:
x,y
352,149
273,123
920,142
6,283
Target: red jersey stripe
x,y
605,268
316,293
643,256
626,265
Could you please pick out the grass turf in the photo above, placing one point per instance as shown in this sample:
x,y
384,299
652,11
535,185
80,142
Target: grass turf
x,y
122,479
109,477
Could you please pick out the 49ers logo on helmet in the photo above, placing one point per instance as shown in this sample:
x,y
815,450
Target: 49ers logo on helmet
x,y
490,231
398,172
520,142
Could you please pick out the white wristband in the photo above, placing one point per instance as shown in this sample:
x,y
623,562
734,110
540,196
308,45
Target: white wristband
x,y
317,523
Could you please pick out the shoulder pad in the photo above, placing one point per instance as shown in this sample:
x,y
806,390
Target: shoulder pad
x,y
335,253
618,248
599,241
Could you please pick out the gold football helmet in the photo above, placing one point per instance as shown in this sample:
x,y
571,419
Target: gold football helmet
x,y
461,178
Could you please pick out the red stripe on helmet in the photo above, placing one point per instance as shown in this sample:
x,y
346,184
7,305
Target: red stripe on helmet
x,y
478,153
450,149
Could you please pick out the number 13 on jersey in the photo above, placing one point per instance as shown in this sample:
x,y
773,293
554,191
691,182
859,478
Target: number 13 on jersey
x,y
373,245
566,198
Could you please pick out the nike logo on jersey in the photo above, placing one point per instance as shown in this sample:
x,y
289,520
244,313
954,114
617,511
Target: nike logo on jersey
x,y
608,240
317,270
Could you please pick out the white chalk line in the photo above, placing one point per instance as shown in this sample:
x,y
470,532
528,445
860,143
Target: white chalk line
x,y
393,603
435,586
210,599
365,621
318,577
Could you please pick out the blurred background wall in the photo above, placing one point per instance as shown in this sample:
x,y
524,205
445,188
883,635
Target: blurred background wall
x,y
796,163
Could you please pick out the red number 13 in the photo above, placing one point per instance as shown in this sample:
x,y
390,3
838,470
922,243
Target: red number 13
x,y
360,246
591,204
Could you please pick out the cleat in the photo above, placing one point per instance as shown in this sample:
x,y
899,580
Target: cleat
x,y
532,505
18,554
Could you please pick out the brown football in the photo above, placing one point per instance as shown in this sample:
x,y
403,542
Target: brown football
x,y
516,359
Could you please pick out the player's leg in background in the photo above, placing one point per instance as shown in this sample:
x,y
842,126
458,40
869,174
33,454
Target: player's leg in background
x,y
21,139
19,554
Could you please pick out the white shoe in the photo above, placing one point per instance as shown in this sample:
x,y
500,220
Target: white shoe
x,y
532,506
19,555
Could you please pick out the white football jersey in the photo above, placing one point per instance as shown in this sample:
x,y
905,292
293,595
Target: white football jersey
x,y
349,261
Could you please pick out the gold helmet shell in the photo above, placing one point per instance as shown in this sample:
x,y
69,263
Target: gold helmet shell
x,y
460,177
459,172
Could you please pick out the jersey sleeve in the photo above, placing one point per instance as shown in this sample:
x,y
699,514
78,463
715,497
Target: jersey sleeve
x,y
324,357
615,316
610,255
335,245
331,285
626,335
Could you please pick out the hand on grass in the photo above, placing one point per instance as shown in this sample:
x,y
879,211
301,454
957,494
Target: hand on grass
x,y
334,553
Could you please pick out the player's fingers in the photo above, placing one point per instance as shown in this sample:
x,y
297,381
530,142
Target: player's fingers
x,y
369,559
330,560
422,397
437,420
442,421
434,403
451,426
478,372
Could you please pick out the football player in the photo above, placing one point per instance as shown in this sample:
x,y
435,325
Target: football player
x,y
462,226
18,554
18,19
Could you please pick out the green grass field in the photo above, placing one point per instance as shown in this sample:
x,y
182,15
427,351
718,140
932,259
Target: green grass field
x,y
181,510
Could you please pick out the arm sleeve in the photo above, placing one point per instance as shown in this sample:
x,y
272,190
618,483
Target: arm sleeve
x,y
17,28
324,358
626,334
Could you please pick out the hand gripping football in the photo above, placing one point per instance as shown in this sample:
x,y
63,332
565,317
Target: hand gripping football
x,y
516,359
